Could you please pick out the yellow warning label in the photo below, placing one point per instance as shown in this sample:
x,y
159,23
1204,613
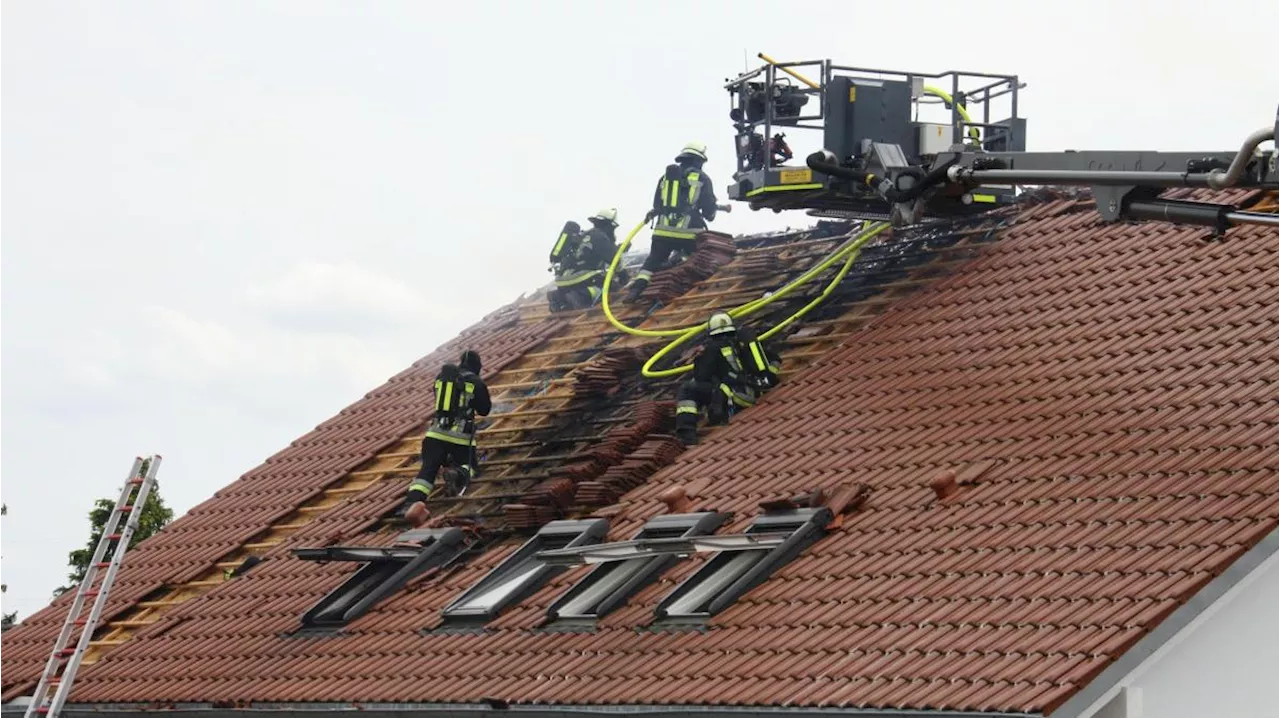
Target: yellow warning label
x,y
853,93
795,176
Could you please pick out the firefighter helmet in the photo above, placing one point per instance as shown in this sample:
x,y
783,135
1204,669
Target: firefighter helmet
x,y
609,215
720,323
470,361
694,149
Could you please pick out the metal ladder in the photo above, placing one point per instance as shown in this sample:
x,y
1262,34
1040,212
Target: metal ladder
x,y
63,663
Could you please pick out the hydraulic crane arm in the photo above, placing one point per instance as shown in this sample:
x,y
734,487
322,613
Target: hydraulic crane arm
x,y
1125,185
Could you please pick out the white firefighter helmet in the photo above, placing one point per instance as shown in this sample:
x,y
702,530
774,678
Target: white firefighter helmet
x,y
720,323
694,149
606,215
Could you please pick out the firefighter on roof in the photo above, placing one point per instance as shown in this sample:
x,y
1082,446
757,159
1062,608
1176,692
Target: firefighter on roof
x,y
683,203
579,260
460,395
722,382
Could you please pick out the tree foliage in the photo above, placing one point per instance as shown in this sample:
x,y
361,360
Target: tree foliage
x,y
155,515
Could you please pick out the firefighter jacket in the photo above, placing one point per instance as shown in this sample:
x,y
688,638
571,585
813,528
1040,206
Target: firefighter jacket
x,y
459,398
683,202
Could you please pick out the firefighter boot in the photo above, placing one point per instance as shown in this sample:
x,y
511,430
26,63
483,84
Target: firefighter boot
x,y
456,480
636,289
687,429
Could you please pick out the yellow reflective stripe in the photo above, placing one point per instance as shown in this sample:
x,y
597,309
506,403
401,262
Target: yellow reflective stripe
x,y
448,396
419,486
983,197
460,439
674,234
560,244
732,357
577,278
471,388
693,187
438,394
782,188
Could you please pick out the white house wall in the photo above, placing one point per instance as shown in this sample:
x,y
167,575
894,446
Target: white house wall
x,y
1226,665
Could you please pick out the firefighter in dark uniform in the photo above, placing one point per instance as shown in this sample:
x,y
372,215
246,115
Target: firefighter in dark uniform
x,y
721,383
579,260
683,203
460,395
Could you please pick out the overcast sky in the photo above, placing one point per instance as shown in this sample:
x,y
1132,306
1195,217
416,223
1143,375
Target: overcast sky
x,y
225,221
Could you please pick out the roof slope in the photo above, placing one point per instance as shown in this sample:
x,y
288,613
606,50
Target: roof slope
x,y
1105,394
187,549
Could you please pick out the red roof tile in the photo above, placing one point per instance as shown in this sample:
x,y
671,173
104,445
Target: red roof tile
x,y
1105,394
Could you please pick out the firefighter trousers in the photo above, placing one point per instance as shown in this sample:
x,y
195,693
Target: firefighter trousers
x,y
434,454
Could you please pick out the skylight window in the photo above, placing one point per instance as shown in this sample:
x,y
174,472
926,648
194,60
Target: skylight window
x,y
385,571
627,566
523,572
744,561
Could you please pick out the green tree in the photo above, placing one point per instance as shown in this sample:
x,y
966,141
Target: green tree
x,y
8,619
154,517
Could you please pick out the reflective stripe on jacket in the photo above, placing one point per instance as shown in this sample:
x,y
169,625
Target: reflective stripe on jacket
x,y
676,218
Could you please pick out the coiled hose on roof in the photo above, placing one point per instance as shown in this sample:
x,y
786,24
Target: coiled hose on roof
x,y
847,252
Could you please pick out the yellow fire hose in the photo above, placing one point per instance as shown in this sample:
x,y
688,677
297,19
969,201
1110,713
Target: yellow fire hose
x,y
847,252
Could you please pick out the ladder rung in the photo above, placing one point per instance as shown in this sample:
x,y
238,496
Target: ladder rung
x,y
126,509
136,482
102,564
206,582
113,537
261,545
67,652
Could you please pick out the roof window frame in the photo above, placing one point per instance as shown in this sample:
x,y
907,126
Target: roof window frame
x,y
522,573
732,572
385,570
623,568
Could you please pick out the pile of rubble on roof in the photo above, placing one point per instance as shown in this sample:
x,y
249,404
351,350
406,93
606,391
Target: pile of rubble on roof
x,y
714,250
621,460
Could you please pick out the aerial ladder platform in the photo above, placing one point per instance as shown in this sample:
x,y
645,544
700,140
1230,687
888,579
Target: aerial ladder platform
x,y
880,161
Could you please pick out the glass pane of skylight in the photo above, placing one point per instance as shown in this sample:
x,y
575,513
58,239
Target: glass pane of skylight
x,y
584,604
493,596
697,597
